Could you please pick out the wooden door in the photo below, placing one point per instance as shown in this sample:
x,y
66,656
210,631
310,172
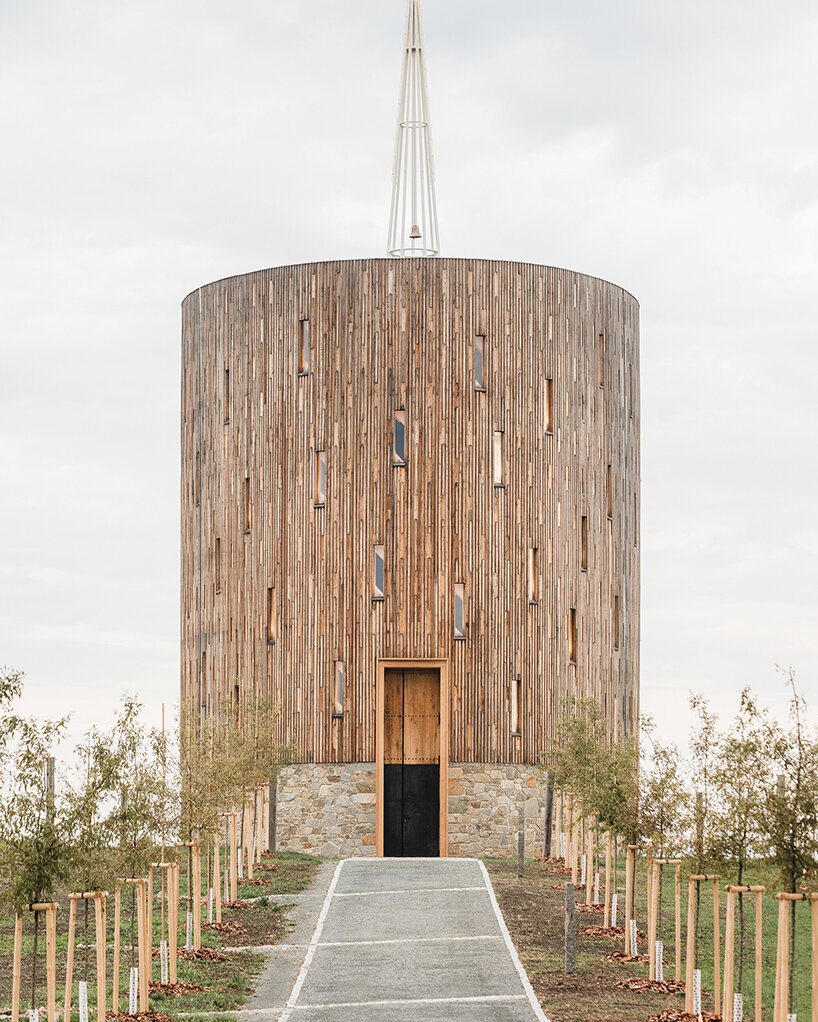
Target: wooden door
x,y
411,762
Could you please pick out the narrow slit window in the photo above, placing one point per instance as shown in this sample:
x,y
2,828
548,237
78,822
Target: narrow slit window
x,y
338,690
549,405
610,491
459,611
399,451
533,575
218,559
616,622
601,358
203,686
247,504
516,698
498,457
583,543
226,396
320,478
378,582
572,635
303,346
271,615
479,362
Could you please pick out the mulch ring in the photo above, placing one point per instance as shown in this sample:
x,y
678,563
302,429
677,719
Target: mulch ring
x,y
672,1015
140,1016
239,904
561,887
268,867
176,989
604,931
621,956
202,954
231,928
595,906
255,882
657,986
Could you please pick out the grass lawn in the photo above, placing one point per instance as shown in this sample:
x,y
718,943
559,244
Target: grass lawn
x,y
227,982
534,913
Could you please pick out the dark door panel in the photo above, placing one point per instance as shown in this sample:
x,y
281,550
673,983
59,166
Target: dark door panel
x,y
421,809
411,818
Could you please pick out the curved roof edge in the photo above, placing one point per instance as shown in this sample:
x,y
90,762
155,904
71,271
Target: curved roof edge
x,y
406,259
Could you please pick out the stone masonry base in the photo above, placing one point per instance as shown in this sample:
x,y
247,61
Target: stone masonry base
x,y
329,808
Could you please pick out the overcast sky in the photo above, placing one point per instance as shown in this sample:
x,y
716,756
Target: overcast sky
x,y
147,148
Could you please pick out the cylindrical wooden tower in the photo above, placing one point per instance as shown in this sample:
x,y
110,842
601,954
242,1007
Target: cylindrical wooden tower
x,y
410,514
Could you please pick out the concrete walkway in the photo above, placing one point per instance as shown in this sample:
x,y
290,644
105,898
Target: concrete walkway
x,y
407,939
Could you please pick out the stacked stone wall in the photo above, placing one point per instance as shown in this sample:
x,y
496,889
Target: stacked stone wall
x,y
329,809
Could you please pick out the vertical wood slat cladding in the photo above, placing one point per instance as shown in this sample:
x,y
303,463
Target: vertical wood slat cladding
x,y
399,334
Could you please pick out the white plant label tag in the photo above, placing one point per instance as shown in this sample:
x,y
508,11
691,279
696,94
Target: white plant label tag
x,y
189,931
562,846
660,961
697,991
34,1015
738,1008
83,992
584,867
596,889
613,909
163,960
792,1018
132,991
210,906
634,945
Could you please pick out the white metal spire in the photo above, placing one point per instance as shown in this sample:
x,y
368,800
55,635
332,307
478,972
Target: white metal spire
x,y
413,216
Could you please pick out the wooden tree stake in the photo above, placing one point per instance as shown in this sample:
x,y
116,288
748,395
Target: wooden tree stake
x,y
759,897
217,878
716,942
589,867
729,952
99,899
16,969
69,959
691,944
630,861
234,857
814,911
117,948
607,917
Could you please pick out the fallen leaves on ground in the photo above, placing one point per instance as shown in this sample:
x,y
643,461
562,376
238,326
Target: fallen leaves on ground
x,y
604,931
593,907
255,882
232,928
621,956
561,887
239,904
659,986
202,954
269,867
176,989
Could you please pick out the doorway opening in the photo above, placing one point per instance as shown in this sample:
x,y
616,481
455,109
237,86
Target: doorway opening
x,y
411,763
412,767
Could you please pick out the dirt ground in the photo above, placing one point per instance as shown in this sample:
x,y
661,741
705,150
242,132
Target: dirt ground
x,y
534,912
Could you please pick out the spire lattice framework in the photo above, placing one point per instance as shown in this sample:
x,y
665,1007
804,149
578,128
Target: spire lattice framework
x,y
413,227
